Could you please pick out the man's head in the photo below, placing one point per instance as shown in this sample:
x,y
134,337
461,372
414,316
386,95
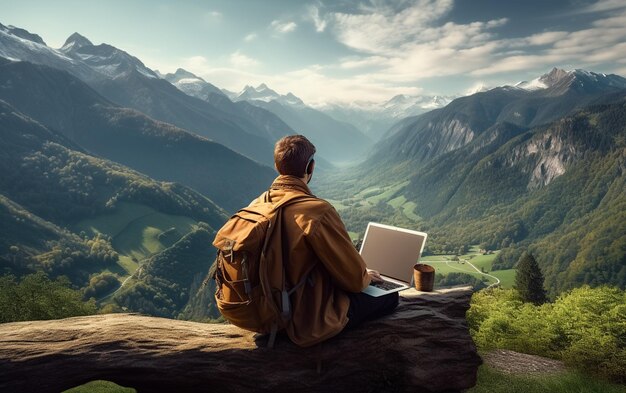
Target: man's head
x,y
293,155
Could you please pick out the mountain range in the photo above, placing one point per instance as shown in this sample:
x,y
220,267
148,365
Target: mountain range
x,y
376,118
510,168
422,138
53,186
337,141
64,103
112,171
126,81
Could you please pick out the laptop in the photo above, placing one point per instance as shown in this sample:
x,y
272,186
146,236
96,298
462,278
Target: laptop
x,y
392,251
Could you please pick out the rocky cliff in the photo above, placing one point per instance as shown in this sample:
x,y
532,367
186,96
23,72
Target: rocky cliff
x,y
424,346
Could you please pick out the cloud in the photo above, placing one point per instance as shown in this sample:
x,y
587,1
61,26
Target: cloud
x,y
314,14
361,62
251,37
405,42
395,46
477,88
316,87
602,6
213,16
195,63
312,84
283,27
239,60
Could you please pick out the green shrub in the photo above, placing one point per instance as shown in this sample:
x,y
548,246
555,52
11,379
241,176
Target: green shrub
x,y
585,327
36,297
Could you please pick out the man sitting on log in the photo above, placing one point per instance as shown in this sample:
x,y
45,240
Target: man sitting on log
x,y
322,274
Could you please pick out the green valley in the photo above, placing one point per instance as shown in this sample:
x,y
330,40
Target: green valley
x,y
137,231
501,193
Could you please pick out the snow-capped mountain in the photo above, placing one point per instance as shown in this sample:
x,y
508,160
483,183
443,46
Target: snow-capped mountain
x,y
263,93
77,55
20,45
559,81
21,33
191,84
104,58
124,80
339,141
375,118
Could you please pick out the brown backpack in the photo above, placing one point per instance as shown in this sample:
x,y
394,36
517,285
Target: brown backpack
x,y
244,294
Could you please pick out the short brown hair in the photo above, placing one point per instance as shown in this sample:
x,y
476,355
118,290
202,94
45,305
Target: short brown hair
x,y
292,154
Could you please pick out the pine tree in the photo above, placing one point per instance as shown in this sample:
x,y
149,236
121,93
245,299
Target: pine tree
x,y
529,280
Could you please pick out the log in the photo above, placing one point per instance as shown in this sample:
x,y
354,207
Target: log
x,y
424,346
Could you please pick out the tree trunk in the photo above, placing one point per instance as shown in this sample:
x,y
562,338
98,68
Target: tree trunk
x,y
424,346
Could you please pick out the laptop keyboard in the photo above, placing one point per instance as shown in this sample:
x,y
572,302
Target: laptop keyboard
x,y
385,285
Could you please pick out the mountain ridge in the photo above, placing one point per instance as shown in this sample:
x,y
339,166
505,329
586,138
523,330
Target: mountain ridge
x,y
337,141
124,80
129,137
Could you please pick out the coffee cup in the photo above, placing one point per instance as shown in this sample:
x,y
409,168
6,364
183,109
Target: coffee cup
x,y
423,277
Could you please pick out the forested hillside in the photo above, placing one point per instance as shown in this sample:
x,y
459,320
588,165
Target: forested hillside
x,y
160,150
48,187
167,284
557,190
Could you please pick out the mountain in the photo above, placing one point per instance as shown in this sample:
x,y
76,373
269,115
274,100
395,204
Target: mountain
x,y
432,134
559,81
375,119
165,152
70,213
261,93
168,282
126,81
18,44
104,59
251,118
98,222
550,180
337,141
191,84
134,86
558,190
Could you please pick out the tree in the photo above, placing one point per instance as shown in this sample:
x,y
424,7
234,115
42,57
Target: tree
x,y
36,297
529,280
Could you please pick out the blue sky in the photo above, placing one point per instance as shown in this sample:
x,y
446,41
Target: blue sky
x,y
345,51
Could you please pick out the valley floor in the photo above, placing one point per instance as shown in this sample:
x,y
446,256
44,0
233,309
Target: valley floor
x,y
473,263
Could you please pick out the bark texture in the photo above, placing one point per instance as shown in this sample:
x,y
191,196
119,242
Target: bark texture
x,y
424,346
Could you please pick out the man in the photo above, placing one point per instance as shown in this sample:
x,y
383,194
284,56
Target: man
x,y
314,237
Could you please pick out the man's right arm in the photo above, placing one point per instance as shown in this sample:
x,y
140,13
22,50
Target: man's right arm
x,y
333,246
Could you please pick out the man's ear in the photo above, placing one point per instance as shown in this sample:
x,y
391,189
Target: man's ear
x,y
310,167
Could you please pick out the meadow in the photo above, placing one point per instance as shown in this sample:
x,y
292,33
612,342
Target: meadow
x,y
465,263
137,232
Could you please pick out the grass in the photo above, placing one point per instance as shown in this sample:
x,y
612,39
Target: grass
x,y
386,193
137,231
409,210
100,387
337,204
492,381
507,277
114,223
444,264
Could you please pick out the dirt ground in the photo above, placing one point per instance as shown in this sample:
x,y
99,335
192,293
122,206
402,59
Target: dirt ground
x,y
512,362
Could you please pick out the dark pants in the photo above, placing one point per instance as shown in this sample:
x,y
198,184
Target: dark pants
x,y
365,307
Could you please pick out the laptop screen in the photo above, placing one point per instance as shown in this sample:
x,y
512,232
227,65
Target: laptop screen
x,y
391,250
